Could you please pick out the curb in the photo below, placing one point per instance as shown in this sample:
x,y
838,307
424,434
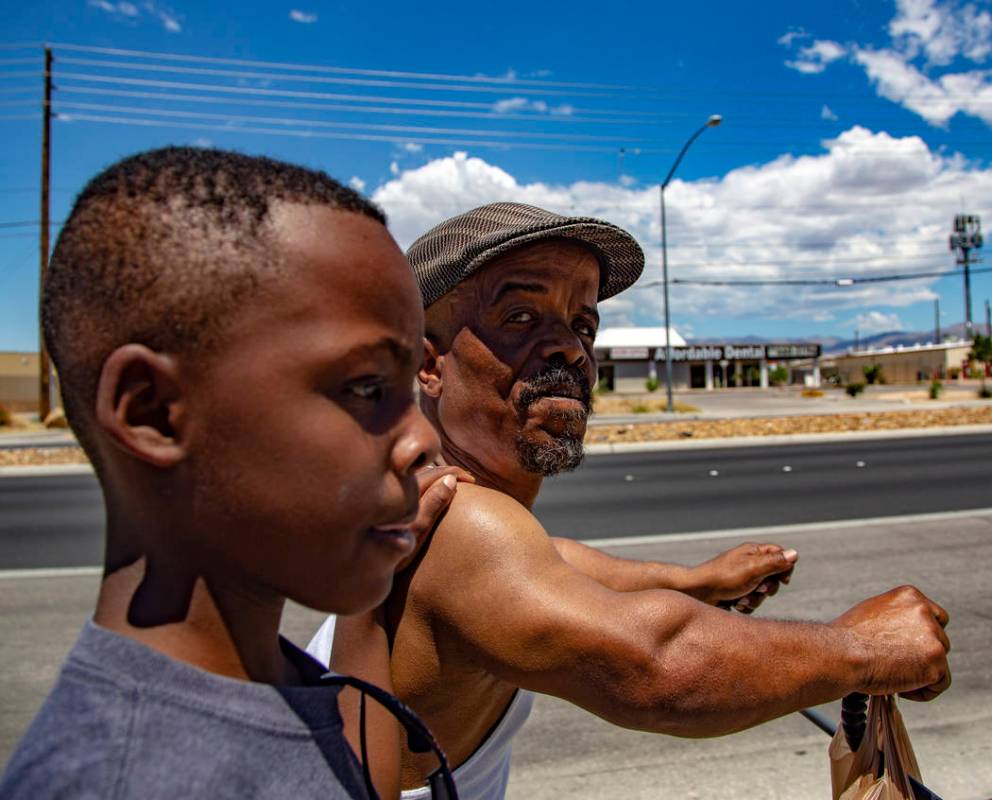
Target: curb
x,y
40,470
619,448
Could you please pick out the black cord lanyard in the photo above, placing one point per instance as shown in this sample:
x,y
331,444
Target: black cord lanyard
x,y
419,737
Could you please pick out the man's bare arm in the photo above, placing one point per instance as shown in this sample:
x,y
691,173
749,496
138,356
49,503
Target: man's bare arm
x,y
744,575
656,660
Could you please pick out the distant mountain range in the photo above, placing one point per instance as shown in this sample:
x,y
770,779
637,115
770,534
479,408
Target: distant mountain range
x,y
834,344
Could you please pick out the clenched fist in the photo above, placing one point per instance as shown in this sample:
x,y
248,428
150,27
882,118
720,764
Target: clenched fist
x,y
902,635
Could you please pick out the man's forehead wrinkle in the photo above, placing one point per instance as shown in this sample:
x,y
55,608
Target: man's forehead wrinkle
x,y
509,286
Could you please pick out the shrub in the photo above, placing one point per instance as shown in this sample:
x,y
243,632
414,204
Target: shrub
x,y
778,376
985,392
640,408
873,373
651,384
6,418
936,387
812,393
854,389
954,373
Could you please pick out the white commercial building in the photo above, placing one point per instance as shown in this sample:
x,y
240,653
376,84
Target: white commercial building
x,y
630,357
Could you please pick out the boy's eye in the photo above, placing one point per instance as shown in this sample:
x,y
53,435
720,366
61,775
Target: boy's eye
x,y
372,389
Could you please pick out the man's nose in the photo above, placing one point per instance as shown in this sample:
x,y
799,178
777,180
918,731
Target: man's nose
x,y
560,342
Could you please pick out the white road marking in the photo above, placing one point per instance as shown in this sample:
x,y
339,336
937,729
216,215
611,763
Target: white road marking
x,y
50,572
837,526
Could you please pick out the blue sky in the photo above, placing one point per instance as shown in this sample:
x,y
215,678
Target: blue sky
x,y
852,133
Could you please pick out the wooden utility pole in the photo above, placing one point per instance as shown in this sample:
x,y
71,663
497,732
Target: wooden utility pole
x,y
45,370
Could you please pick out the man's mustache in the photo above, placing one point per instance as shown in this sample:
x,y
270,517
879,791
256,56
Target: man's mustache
x,y
562,381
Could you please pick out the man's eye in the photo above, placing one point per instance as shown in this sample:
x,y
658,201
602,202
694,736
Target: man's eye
x,y
520,316
585,329
371,390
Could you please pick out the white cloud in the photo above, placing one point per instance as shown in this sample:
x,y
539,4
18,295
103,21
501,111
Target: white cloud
x,y
303,17
202,141
357,183
869,204
941,32
787,38
413,147
877,322
817,56
924,34
627,180
827,113
394,168
512,105
129,12
934,100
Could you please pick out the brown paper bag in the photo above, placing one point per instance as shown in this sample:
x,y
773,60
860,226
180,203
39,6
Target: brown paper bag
x,y
883,764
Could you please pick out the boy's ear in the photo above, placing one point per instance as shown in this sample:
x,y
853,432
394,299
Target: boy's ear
x,y
140,405
431,370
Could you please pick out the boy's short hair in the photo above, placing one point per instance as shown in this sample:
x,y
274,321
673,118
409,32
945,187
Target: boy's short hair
x,y
160,249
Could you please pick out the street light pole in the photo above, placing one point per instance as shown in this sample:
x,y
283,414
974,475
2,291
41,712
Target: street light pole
x,y
712,122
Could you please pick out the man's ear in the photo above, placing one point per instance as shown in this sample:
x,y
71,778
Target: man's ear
x,y
430,375
140,406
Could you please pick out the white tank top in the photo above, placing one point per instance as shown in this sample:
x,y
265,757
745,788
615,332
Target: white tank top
x,y
484,774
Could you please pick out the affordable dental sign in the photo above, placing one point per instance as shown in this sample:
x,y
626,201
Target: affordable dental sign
x,y
744,352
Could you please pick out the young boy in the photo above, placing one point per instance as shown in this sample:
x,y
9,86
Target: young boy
x,y
237,340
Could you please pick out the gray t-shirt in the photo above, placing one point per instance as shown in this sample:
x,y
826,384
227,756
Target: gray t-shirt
x,y
126,721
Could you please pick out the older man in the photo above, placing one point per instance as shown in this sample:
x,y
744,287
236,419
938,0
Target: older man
x,y
494,608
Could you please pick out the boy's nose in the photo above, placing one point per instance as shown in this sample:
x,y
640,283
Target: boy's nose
x,y
418,446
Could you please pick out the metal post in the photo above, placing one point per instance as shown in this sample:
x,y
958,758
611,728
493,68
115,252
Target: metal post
x,y
988,319
668,321
44,367
712,122
968,327
936,320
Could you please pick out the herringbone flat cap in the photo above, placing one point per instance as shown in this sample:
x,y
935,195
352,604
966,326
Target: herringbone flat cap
x,y
450,252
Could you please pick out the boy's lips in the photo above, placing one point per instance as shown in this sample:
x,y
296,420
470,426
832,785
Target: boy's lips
x,y
398,536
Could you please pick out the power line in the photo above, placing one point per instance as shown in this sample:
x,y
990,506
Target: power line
x,y
339,70
271,76
355,109
265,92
501,83
310,134
840,282
175,114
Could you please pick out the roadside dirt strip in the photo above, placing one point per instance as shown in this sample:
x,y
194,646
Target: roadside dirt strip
x,y
661,431
786,426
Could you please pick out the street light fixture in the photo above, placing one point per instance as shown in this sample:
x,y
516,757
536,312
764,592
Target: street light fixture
x,y
712,122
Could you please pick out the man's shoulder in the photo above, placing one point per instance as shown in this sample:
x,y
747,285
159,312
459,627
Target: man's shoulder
x,y
482,518
485,536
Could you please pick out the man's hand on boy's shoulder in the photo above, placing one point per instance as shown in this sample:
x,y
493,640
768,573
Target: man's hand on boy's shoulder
x,y
438,484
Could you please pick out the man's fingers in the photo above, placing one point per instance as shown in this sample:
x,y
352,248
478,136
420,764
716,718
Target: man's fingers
x,y
927,693
940,614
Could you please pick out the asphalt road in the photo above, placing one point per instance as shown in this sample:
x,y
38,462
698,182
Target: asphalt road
x,y
56,521
712,489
